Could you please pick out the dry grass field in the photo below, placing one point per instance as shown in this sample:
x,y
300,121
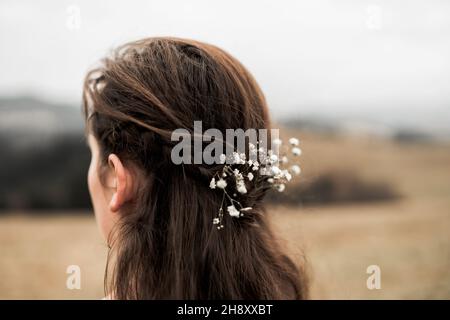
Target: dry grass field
x,y
408,238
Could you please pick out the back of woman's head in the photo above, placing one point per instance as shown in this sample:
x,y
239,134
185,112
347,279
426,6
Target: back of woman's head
x,y
166,245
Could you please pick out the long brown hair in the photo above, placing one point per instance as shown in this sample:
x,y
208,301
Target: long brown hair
x,y
165,246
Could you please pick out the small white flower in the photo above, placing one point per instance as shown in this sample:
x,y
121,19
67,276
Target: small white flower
x,y
252,150
274,158
236,158
216,221
250,176
280,187
238,175
296,151
284,159
212,184
232,211
250,162
296,169
255,168
275,170
294,141
270,180
222,184
286,175
240,187
222,158
277,142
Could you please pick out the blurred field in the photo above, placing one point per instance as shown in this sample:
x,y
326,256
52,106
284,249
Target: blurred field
x,y
408,238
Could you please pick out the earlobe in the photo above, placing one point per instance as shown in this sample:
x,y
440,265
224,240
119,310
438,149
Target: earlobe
x,y
114,205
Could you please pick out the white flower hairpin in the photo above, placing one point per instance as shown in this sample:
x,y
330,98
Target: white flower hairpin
x,y
263,168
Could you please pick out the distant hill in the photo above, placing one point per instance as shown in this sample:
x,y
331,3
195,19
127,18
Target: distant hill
x,y
30,114
335,124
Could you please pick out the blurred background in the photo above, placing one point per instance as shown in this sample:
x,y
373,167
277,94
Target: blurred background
x,y
364,84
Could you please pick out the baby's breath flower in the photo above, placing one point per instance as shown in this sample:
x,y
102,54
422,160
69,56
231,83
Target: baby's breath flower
x,y
296,169
280,187
236,158
275,170
294,141
232,211
270,163
222,184
238,175
296,151
286,175
252,149
240,187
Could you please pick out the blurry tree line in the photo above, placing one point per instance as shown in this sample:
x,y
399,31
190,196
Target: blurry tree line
x,y
44,176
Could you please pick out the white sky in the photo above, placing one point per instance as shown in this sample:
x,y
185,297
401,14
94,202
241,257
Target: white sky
x,y
386,59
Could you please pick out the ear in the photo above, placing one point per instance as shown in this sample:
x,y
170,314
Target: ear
x,y
122,183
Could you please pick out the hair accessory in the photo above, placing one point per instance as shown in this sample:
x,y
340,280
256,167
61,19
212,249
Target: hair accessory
x,y
263,168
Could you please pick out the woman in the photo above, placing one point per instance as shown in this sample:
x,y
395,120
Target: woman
x,y
155,215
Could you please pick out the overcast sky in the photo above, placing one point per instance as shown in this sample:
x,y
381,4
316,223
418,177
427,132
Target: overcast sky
x,y
384,59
